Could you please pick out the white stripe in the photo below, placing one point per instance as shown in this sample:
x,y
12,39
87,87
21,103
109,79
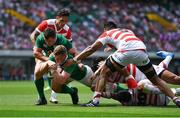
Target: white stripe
x,y
38,30
127,37
115,33
131,69
120,36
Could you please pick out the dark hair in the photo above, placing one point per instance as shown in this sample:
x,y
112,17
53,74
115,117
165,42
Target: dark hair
x,y
63,12
95,63
49,33
110,25
59,50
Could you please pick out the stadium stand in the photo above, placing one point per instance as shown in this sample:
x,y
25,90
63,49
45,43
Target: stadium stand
x,y
86,22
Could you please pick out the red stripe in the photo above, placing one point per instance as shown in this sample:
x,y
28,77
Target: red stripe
x,y
117,35
126,36
128,67
131,39
134,71
103,35
112,32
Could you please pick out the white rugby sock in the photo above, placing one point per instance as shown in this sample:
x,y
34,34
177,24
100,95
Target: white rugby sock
x,y
96,96
165,62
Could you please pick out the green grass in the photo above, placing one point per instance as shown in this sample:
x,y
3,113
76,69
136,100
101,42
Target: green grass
x,y
17,100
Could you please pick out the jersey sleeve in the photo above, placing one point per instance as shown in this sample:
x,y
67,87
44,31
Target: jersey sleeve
x,y
42,26
65,42
69,35
70,69
39,43
103,38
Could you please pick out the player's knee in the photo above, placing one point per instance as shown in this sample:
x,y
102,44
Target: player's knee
x,y
55,88
148,70
177,80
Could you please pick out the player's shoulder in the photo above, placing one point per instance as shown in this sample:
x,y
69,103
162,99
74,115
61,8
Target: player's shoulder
x,y
104,34
52,57
66,27
60,36
40,37
50,21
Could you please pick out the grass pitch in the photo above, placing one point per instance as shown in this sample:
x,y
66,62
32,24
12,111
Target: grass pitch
x,y
17,100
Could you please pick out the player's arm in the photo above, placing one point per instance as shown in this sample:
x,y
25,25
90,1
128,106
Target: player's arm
x,y
34,35
40,28
89,50
37,52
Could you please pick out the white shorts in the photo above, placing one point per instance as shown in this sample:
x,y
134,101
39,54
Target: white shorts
x,y
137,57
87,79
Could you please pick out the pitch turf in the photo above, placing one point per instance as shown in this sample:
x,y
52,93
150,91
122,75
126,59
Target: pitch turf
x,y
17,100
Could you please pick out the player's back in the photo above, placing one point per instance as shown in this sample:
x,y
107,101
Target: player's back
x,y
122,39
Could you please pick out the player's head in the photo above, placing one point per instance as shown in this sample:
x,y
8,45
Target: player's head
x,y
50,36
60,53
109,25
62,16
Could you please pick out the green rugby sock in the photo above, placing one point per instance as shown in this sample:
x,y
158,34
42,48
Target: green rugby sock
x,y
66,89
49,81
40,87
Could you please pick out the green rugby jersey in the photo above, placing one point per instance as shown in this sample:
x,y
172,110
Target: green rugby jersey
x,y
74,70
61,40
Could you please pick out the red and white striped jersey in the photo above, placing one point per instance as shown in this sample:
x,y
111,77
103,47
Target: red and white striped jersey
x,y
121,39
50,23
138,75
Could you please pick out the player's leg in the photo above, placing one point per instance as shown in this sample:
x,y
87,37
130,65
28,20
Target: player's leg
x,y
167,58
88,79
170,77
150,73
39,83
59,88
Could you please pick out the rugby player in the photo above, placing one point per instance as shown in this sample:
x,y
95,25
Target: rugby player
x,y
60,26
130,49
46,42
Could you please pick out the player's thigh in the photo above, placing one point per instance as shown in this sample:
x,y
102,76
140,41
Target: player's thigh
x,y
136,57
56,85
168,77
40,69
87,79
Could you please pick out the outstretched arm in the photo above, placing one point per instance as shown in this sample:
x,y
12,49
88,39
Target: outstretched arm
x,y
89,50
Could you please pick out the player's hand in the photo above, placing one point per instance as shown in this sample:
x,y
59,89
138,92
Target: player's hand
x,y
53,67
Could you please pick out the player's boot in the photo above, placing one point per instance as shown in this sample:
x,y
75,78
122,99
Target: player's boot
x,y
53,98
41,101
74,96
176,100
90,104
164,54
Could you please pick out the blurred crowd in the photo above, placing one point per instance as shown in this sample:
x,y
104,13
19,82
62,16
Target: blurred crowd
x,y
86,21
